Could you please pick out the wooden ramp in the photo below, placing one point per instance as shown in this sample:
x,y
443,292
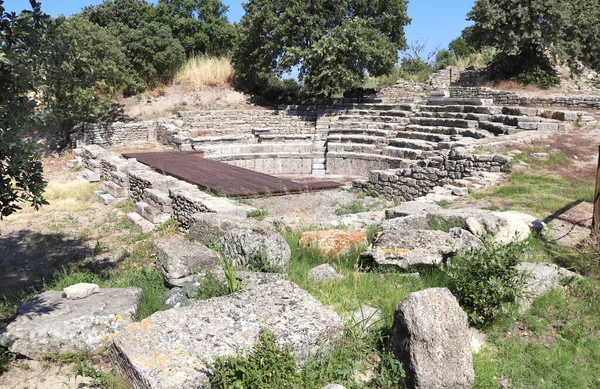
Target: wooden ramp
x,y
220,177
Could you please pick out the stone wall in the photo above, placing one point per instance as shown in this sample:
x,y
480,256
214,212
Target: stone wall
x,y
514,98
420,178
453,76
176,198
116,133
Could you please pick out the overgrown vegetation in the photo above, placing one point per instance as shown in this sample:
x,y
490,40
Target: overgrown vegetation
x,y
486,282
334,45
200,72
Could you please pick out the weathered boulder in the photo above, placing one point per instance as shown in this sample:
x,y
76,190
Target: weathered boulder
x,y
210,227
80,291
50,323
333,242
408,249
505,227
541,278
323,273
411,208
463,240
184,296
256,248
179,261
171,349
430,335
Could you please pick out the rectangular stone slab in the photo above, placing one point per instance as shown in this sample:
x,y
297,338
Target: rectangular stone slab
x,y
171,349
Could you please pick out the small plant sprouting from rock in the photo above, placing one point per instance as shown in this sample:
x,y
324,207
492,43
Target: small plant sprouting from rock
x,y
352,208
486,282
268,366
230,270
259,214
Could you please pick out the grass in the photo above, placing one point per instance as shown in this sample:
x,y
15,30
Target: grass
x,y
259,214
200,72
353,207
71,196
538,194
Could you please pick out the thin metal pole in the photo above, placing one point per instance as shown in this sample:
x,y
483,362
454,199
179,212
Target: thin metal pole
x,y
596,219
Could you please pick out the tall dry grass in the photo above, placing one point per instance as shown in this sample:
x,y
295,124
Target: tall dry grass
x,y
200,72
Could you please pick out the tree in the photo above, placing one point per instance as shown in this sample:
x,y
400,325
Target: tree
x,y
153,52
200,25
333,45
130,13
84,66
21,175
524,31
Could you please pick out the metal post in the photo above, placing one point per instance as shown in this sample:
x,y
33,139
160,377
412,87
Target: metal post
x,y
596,219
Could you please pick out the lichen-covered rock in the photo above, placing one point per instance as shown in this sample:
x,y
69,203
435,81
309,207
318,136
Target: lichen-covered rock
x,y
541,278
179,261
210,227
333,242
408,249
430,335
256,248
171,349
323,273
50,323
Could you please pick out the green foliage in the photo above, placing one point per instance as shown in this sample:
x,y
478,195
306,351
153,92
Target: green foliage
x,y
21,175
267,366
210,287
334,45
437,223
153,51
130,13
85,65
525,30
486,282
352,207
525,68
460,47
5,358
230,270
259,214
200,25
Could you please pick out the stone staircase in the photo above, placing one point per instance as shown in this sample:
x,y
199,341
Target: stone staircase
x,y
355,136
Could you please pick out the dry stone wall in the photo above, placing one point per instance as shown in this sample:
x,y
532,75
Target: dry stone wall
x,y
514,98
116,133
174,198
419,179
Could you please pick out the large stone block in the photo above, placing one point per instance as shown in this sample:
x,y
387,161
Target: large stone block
x,y
51,323
179,261
171,349
430,335
256,248
210,227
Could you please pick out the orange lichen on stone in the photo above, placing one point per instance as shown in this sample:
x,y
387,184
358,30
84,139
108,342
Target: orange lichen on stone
x,y
395,251
333,241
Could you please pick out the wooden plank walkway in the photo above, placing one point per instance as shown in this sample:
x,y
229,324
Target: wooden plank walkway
x,y
220,177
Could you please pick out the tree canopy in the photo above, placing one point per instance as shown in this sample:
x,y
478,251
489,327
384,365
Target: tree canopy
x,y
21,178
526,32
332,44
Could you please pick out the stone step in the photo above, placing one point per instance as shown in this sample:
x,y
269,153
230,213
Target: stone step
x,y
318,166
361,131
141,224
413,144
241,139
106,198
456,115
365,139
318,160
458,123
498,128
367,125
151,213
422,136
403,153
459,101
487,110
373,119
319,172
91,176
115,189
284,138
333,147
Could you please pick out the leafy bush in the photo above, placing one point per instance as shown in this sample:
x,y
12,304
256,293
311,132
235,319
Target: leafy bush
x,y
486,282
525,69
267,366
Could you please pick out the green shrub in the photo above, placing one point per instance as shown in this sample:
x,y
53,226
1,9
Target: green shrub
x,y
267,366
486,282
259,214
525,69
